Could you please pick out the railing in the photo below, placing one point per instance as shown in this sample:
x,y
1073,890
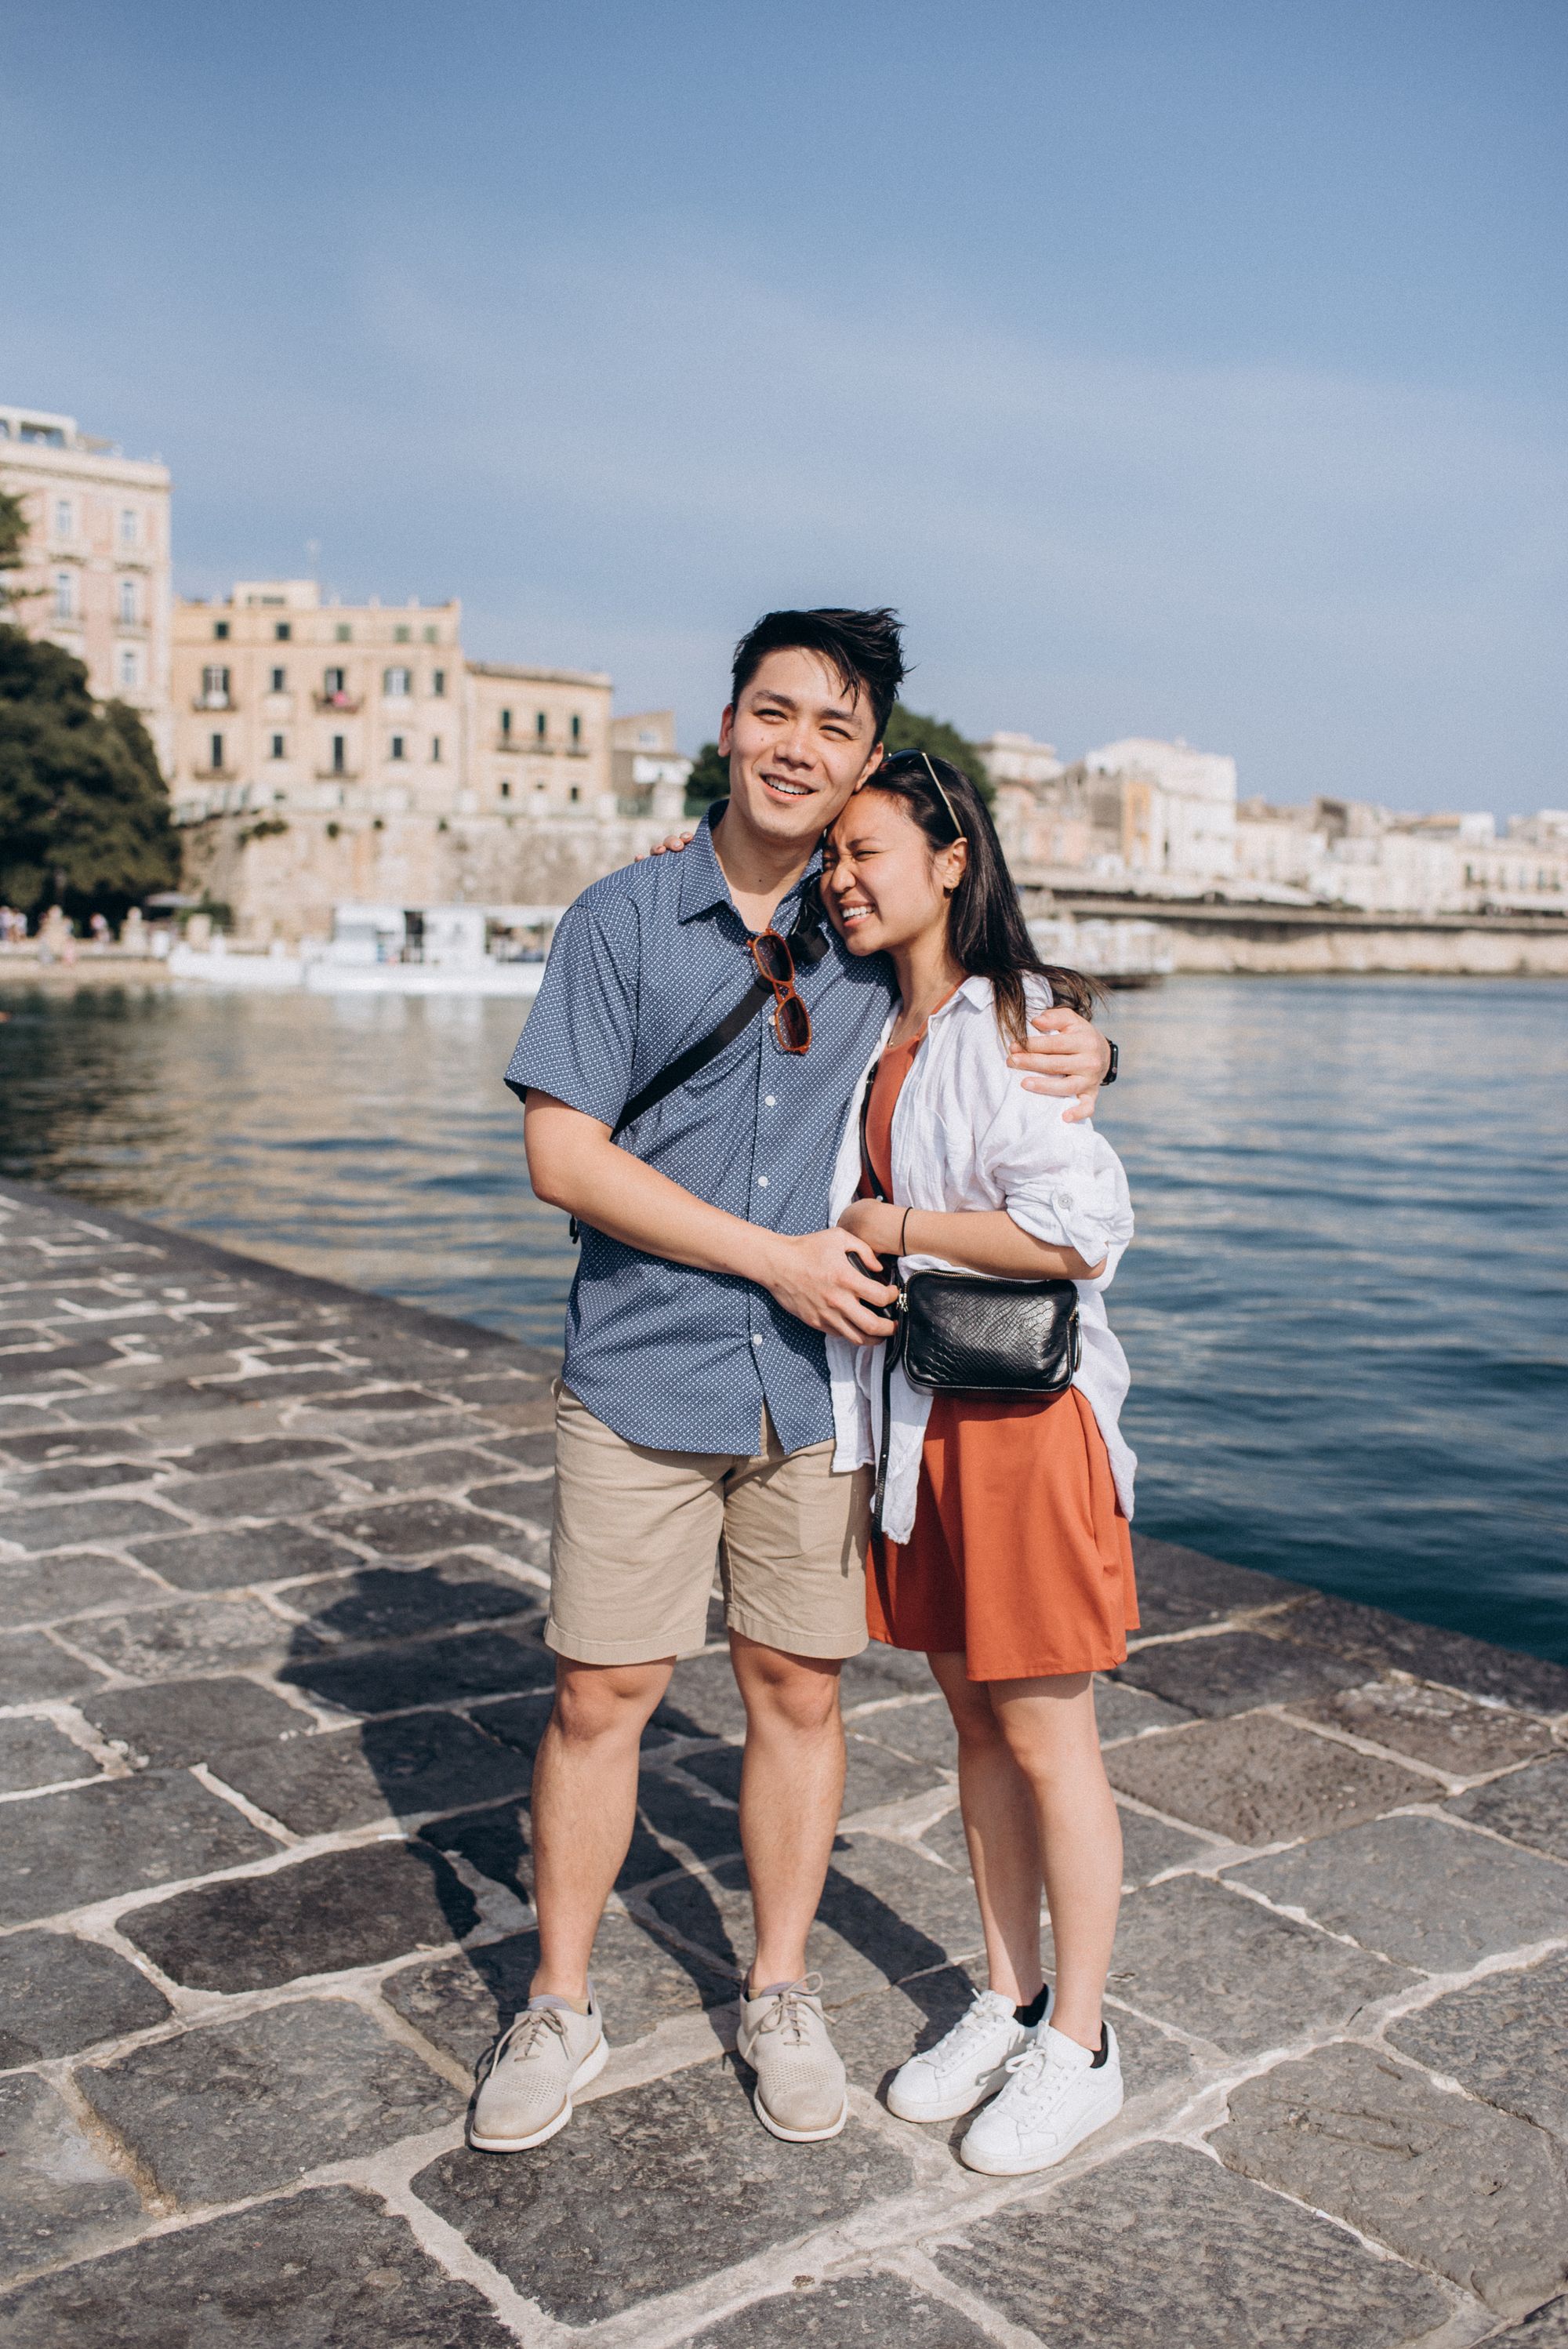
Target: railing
x,y
338,774
215,774
214,701
348,703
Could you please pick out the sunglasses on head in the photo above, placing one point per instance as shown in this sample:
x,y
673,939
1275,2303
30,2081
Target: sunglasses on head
x,y
909,762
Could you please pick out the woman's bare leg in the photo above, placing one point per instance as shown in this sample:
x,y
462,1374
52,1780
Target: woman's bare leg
x,y
1050,1730
1000,1829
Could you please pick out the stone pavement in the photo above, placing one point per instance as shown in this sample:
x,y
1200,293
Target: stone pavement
x,y
271,1560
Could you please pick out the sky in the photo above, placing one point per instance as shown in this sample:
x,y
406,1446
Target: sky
x,y
1195,370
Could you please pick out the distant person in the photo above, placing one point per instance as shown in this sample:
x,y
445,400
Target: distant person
x,y
1002,1548
696,1411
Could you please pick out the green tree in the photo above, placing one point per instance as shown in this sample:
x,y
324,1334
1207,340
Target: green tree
x,y
84,812
908,730
13,540
708,780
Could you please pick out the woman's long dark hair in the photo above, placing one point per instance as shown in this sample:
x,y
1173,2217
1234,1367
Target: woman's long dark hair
x,y
985,927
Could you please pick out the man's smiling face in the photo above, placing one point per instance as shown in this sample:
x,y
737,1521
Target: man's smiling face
x,y
798,741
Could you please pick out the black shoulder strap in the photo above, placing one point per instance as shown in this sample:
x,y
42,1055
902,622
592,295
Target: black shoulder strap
x,y
808,944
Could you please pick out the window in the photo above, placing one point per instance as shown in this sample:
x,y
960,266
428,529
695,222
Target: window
x,y
398,683
435,749
65,595
575,793
283,630
397,742
220,631
339,754
506,725
506,787
129,527
128,612
280,680
343,634
401,636
541,725
278,751
576,728
215,687
333,682
438,683
130,667
429,636
65,518
215,749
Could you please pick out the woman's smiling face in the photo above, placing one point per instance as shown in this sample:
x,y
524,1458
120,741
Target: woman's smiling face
x,y
882,884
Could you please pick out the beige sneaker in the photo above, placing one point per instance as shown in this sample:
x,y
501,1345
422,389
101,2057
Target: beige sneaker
x,y
783,2035
526,2080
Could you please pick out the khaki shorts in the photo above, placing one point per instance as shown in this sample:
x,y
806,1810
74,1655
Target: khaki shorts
x,y
632,1546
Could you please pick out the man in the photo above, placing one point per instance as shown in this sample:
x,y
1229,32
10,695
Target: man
x,y
694,1412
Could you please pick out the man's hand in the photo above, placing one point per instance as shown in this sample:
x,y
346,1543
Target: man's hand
x,y
1071,1057
671,840
820,1281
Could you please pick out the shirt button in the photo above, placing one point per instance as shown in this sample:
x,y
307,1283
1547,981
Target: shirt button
x,y
772,1103
762,1182
757,1341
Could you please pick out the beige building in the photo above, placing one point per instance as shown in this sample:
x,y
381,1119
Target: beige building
x,y
648,772
327,754
95,577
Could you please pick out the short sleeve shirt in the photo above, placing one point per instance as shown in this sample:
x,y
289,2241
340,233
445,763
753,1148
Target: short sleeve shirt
x,y
645,964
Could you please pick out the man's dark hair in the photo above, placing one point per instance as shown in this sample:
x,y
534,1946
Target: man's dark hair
x,y
862,648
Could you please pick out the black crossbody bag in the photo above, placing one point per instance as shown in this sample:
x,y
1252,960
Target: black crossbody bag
x,y
808,945
959,1333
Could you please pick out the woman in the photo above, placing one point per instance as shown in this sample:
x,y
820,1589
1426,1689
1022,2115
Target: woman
x,y
1003,1548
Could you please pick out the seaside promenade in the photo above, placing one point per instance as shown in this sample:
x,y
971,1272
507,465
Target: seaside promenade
x,y
271,1564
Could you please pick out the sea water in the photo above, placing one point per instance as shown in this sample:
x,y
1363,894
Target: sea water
x,y
1345,1307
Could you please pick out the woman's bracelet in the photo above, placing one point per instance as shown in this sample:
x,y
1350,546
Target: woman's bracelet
x,y
903,1230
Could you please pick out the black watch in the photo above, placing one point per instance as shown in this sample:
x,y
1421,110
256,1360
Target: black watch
x,y
1109,1076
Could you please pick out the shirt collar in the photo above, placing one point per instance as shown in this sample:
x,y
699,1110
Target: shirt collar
x,y
976,990
703,884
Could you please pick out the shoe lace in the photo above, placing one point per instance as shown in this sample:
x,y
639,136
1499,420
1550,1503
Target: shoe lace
x,y
527,2036
1038,2077
788,2015
976,2018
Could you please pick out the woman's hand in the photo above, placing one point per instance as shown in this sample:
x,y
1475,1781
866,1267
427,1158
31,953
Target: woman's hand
x,y
672,840
1068,1055
877,1222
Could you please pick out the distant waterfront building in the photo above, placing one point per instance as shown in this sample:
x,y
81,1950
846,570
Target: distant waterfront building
x,y
327,754
96,575
645,764
1353,852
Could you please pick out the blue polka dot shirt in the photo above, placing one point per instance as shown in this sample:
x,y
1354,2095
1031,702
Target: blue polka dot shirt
x,y
645,963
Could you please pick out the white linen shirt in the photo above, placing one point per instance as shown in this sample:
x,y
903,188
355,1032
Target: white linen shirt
x,y
965,1135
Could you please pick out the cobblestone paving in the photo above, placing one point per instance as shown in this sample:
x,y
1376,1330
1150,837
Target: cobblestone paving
x,y
271,1567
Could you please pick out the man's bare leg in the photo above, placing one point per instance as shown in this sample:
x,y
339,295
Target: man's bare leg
x,y
585,1807
791,1791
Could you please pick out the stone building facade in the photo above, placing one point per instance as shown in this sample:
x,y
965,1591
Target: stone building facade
x,y
95,579
327,754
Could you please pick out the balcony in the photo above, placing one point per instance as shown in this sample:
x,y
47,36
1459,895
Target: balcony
x,y
202,701
338,774
215,774
345,705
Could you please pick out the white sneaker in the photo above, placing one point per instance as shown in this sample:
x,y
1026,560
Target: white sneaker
x,y
526,2080
800,2087
965,2066
1055,2096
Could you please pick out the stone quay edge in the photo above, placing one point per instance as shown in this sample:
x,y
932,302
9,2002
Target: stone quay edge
x,y
273,1559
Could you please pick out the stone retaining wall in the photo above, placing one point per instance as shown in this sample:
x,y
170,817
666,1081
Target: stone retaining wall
x,y
272,1564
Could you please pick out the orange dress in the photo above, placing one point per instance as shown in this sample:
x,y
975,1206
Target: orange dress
x,y
1020,1557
